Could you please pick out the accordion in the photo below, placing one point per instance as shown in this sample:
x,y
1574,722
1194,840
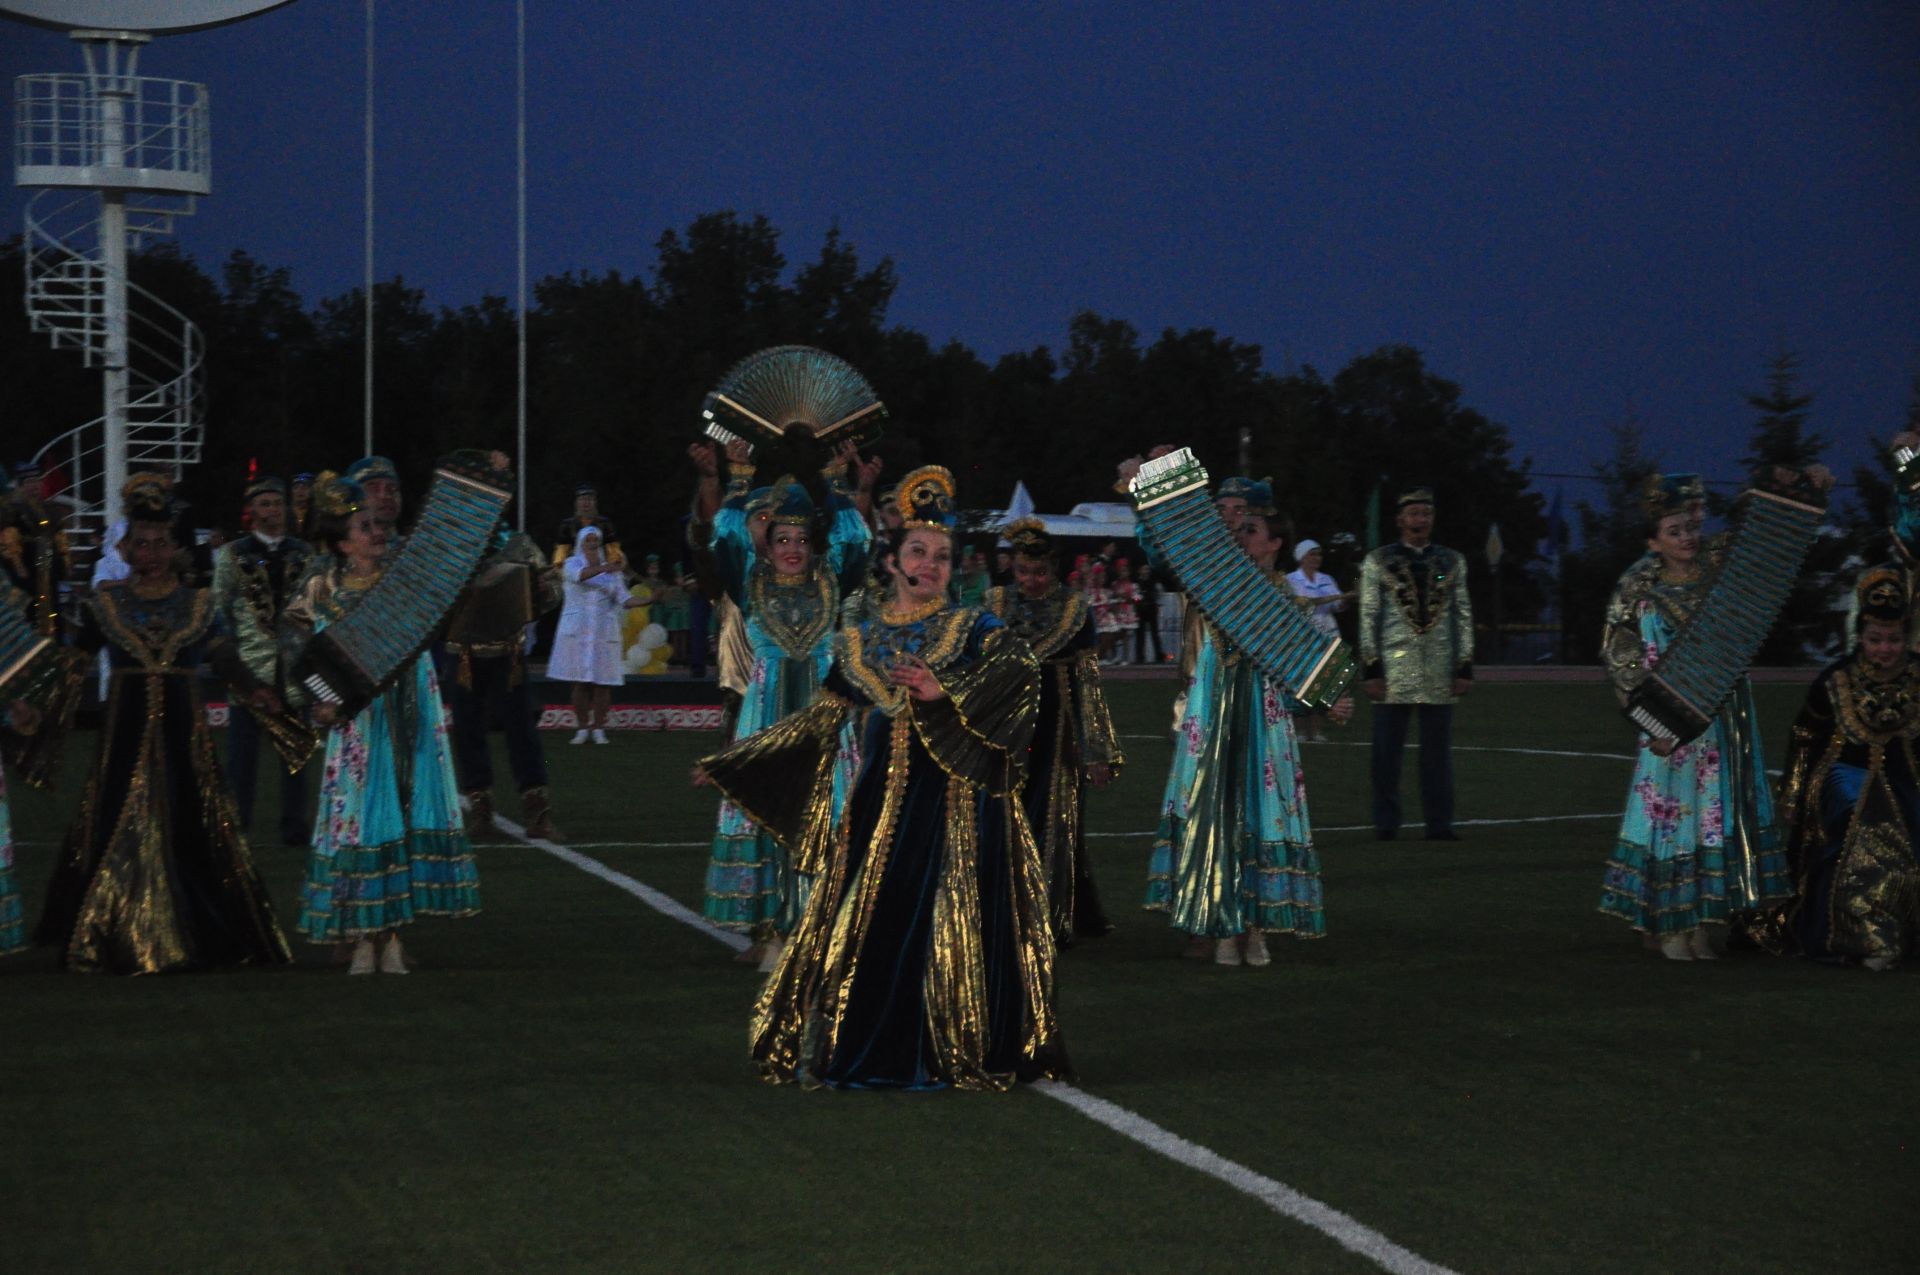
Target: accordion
x,y
1693,677
1260,616
38,669
365,651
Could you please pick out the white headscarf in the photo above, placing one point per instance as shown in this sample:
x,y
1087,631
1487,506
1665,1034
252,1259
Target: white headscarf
x,y
612,583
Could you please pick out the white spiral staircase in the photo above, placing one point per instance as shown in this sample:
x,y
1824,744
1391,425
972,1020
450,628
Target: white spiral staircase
x,y
121,157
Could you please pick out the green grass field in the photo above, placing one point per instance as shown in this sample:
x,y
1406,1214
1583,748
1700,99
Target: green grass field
x,y
1474,1063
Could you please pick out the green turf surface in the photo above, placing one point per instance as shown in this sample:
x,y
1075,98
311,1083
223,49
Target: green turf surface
x,y
1474,1062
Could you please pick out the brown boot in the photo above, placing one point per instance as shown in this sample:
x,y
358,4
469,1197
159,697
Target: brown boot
x,y
479,817
536,808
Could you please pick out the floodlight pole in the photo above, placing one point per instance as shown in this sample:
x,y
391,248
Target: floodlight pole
x,y
111,58
520,109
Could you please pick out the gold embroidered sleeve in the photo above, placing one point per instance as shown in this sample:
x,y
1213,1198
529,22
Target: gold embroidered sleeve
x,y
981,730
1370,588
1099,742
782,777
53,684
1621,650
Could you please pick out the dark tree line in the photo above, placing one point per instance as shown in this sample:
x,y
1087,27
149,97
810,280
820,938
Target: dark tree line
x,y
619,362
1614,532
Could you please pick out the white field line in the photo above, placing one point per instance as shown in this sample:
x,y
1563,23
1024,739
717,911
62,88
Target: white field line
x,y
661,903
1117,836
1278,1196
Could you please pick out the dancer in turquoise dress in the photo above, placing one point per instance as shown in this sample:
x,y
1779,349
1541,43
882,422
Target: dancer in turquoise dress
x,y
388,841
1698,843
789,598
1234,859
924,957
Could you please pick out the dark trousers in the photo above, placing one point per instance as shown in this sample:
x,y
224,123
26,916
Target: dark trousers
x,y
494,692
1149,630
699,620
1436,764
244,742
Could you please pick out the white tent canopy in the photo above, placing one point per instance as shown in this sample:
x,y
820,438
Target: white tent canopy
x,y
1096,520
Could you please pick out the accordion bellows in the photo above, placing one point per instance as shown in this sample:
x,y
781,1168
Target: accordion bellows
x,y
1687,687
1260,616
361,654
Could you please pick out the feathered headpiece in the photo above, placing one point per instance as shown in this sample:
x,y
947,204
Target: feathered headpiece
x,y
337,497
1664,495
147,498
1257,492
925,499
1029,538
1881,593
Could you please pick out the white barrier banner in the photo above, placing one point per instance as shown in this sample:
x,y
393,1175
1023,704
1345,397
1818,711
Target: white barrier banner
x,y
619,717
640,717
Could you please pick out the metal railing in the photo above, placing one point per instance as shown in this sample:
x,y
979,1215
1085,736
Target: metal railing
x,y
166,358
153,135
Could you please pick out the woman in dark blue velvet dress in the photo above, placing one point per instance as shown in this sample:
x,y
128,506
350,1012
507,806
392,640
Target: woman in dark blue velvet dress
x,y
924,958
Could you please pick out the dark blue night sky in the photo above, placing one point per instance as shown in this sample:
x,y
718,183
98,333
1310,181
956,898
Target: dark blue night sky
x,y
1575,211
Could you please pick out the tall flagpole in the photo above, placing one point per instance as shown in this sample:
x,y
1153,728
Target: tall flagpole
x,y
520,108
366,405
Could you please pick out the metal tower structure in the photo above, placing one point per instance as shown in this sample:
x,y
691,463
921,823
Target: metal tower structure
x,y
116,157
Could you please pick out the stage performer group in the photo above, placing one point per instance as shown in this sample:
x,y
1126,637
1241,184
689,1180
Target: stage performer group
x,y
910,757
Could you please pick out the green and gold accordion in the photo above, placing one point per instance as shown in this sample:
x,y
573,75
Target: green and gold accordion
x,y
1259,615
361,654
1690,682
38,669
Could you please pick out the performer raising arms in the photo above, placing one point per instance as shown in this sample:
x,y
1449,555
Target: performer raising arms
x,y
156,874
1234,858
789,597
1698,840
923,958
388,843
1851,797
1073,738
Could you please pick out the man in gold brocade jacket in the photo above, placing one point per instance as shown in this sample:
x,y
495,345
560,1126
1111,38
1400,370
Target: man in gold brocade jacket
x,y
254,576
1416,651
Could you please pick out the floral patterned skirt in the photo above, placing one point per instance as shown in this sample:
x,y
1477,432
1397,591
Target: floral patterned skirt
x,y
1693,825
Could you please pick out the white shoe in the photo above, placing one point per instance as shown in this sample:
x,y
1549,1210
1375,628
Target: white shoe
x,y
770,955
362,958
1676,948
393,960
600,737
1254,949
579,737
1226,952
1701,946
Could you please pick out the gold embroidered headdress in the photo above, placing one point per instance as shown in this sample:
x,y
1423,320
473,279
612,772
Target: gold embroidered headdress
x,y
1881,593
1029,538
925,499
1664,495
147,498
